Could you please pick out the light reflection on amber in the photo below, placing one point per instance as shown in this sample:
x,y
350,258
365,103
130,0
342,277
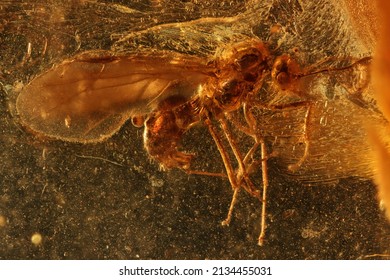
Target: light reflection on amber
x,y
381,77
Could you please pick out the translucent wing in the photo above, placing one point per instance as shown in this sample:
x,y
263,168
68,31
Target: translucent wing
x,y
336,128
89,98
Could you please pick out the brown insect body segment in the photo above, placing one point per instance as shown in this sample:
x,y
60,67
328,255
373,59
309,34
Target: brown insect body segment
x,y
238,70
164,129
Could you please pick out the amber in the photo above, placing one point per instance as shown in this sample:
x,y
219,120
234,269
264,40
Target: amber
x,y
304,103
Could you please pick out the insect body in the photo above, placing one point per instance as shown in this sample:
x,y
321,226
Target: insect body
x,y
88,98
225,90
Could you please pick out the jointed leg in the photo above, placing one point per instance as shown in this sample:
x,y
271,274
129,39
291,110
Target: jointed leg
x,y
264,171
249,187
229,169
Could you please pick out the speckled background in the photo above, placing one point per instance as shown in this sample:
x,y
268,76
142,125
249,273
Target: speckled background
x,y
109,201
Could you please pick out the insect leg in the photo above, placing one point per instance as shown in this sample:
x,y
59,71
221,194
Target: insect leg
x,y
264,169
228,166
264,172
204,173
249,186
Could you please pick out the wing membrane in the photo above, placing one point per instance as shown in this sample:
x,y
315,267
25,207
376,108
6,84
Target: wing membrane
x,y
336,129
89,98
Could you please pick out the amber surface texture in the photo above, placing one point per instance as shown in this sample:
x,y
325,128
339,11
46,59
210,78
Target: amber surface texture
x,y
76,181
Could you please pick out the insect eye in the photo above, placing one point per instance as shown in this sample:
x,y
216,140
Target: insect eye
x,y
284,71
280,70
282,78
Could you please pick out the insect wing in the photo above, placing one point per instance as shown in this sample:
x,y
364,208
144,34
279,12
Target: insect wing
x,y
335,126
88,98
